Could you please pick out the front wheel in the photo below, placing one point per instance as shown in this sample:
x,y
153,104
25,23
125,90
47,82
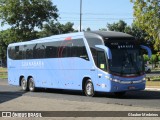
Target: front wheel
x,y
89,88
31,85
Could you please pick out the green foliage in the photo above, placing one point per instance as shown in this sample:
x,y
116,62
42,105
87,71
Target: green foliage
x,y
147,13
158,54
25,15
119,26
6,37
88,29
138,33
153,58
146,58
103,29
52,28
158,58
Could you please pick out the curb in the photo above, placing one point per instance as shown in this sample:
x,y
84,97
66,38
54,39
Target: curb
x,y
152,89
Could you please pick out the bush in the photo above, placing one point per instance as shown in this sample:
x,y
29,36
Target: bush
x,y
146,58
154,58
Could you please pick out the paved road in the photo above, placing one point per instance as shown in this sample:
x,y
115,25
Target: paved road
x,y
144,99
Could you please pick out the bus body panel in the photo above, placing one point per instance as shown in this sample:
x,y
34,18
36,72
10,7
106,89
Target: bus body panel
x,y
67,72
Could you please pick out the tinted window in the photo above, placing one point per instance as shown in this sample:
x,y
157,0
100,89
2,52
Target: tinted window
x,y
11,52
22,52
51,49
17,53
66,49
94,41
39,51
29,51
102,60
94,54
73,48
57,49
79,49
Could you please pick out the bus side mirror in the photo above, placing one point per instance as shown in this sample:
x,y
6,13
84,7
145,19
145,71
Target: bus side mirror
x,y
148,50
105,48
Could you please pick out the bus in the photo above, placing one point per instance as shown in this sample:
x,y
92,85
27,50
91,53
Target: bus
x,y
95,61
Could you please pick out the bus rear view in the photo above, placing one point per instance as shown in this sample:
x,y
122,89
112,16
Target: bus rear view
x,y
88,61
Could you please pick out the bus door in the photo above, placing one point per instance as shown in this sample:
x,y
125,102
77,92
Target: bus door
x,y
103,54
101,62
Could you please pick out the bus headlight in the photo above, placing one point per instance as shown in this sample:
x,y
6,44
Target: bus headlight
x,y
112,79
116,80
144,79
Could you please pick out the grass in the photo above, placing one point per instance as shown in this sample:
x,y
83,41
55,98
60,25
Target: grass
x,y
3,73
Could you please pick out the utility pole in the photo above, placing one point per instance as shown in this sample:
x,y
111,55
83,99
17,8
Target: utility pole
x,y
80,15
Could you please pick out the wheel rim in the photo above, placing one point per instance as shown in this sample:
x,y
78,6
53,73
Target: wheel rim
x,y
31,85
23,84
89,89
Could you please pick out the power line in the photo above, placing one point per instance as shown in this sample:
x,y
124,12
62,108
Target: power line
x,y
97,19
74,18
72,13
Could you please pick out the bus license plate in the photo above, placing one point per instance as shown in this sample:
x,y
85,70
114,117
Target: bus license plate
x,y
131,87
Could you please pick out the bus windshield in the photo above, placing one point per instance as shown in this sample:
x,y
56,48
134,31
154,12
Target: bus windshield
x,y
126,61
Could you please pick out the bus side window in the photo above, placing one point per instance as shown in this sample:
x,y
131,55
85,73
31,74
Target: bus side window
x,y
79,49
102,64
29,51
17,55
39,51
51,50
22,52
94,54
11,53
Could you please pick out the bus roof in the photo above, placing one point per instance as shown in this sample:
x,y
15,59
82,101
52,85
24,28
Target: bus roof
x,y
110,34
51,38
103,34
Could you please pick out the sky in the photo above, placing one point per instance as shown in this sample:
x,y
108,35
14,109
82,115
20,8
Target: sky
x,y
95,13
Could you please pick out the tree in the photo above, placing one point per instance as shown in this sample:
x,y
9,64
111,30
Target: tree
x,y
25,15
88,29
154,59
7,37
139,34
119,26
52,28
133,30
103,29
146,58
147,17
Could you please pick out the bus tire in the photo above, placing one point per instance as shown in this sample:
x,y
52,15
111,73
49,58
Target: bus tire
x,y
89,88
24,84
31,85
120,94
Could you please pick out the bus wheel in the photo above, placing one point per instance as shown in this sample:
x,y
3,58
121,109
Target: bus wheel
x,y
24,84
31,85
120,94
89,88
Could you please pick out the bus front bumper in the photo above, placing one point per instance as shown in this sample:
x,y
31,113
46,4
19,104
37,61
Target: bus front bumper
x,y
118,87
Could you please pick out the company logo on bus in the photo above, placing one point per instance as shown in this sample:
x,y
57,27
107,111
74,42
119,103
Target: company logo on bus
x,y
122,45
32,64
125,46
